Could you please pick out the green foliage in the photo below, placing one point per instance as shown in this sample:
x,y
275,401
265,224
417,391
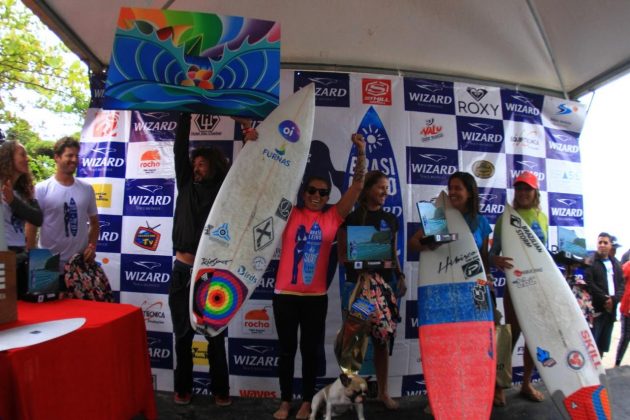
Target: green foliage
x,y
40,152
31,62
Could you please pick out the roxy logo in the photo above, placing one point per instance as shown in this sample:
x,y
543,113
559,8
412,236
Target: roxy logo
x,y
477,107
289,131
477,94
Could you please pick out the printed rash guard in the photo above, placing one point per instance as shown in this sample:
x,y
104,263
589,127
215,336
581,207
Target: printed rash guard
x,y
306,244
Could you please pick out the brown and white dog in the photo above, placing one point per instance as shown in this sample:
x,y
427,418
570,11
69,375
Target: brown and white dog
x,y
346,391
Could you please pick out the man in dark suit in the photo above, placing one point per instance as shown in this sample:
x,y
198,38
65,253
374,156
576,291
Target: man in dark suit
x,y
606,283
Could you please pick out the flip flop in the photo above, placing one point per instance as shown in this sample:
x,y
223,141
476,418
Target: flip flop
x,y
390,403
499,400
533,395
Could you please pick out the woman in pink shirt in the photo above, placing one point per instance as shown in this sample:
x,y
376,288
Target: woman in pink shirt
x,y
300,297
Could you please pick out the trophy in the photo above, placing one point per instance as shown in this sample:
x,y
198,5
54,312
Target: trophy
x,y
434,224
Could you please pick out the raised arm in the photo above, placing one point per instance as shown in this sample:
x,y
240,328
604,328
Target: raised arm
x,y
183,168
345,204
249,132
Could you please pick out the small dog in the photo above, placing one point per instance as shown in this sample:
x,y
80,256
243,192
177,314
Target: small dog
x,y
346,391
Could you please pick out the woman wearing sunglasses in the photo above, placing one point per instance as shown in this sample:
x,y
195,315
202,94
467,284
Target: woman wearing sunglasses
x,y
300,297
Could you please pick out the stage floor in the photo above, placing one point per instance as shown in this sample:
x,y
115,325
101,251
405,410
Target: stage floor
x,y
410,407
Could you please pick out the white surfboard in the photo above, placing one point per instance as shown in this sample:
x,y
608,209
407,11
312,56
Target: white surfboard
x,y
455,325
246,222
556,333
28,335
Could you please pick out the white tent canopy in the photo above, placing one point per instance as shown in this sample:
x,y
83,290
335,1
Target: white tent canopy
x,y
561,47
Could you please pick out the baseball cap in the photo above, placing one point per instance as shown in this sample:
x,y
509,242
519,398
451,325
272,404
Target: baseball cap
x,y
527,178
614,242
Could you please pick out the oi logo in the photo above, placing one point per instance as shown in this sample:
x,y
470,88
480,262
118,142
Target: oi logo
x,y
289,130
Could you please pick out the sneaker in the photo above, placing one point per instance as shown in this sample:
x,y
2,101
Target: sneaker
x,y
222,401
182,399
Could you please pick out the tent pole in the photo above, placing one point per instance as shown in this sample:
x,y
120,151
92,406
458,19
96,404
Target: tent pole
x,y
545,39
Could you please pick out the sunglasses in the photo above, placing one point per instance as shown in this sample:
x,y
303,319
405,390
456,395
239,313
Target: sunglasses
x,y
323,192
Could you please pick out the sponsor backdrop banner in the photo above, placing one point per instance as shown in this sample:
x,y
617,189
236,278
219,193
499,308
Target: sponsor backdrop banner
x,y
418,132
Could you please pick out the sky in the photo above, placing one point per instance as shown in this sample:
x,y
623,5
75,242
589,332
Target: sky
x,y
605,153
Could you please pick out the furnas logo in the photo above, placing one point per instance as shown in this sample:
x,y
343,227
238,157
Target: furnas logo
x,y
160,349
145,273
105,124
516,164
483,135
276,155
430,166
102,160
250,357
153,126
331,89
431,131
149,197
492,203
431,96
566,209
522,106
562,145
377,91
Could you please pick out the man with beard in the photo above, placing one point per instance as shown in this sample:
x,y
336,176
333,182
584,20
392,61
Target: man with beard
x,y
199,179
70,224
606,284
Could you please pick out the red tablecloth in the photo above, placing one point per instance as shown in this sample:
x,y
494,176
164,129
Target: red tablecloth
x,y
100,371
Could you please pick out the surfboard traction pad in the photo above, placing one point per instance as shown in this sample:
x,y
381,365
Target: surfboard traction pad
x,y
588,403
217,297
459,357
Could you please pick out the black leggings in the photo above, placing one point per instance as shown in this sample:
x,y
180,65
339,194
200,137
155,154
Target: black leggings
x,y
308,313
625,338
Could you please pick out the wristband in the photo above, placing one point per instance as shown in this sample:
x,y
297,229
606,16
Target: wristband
x,y
248,130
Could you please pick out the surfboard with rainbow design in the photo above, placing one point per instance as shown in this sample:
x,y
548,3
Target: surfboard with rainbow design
x,y
246,222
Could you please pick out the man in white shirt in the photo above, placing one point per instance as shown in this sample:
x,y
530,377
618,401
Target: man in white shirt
x,y
606,284
70,223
